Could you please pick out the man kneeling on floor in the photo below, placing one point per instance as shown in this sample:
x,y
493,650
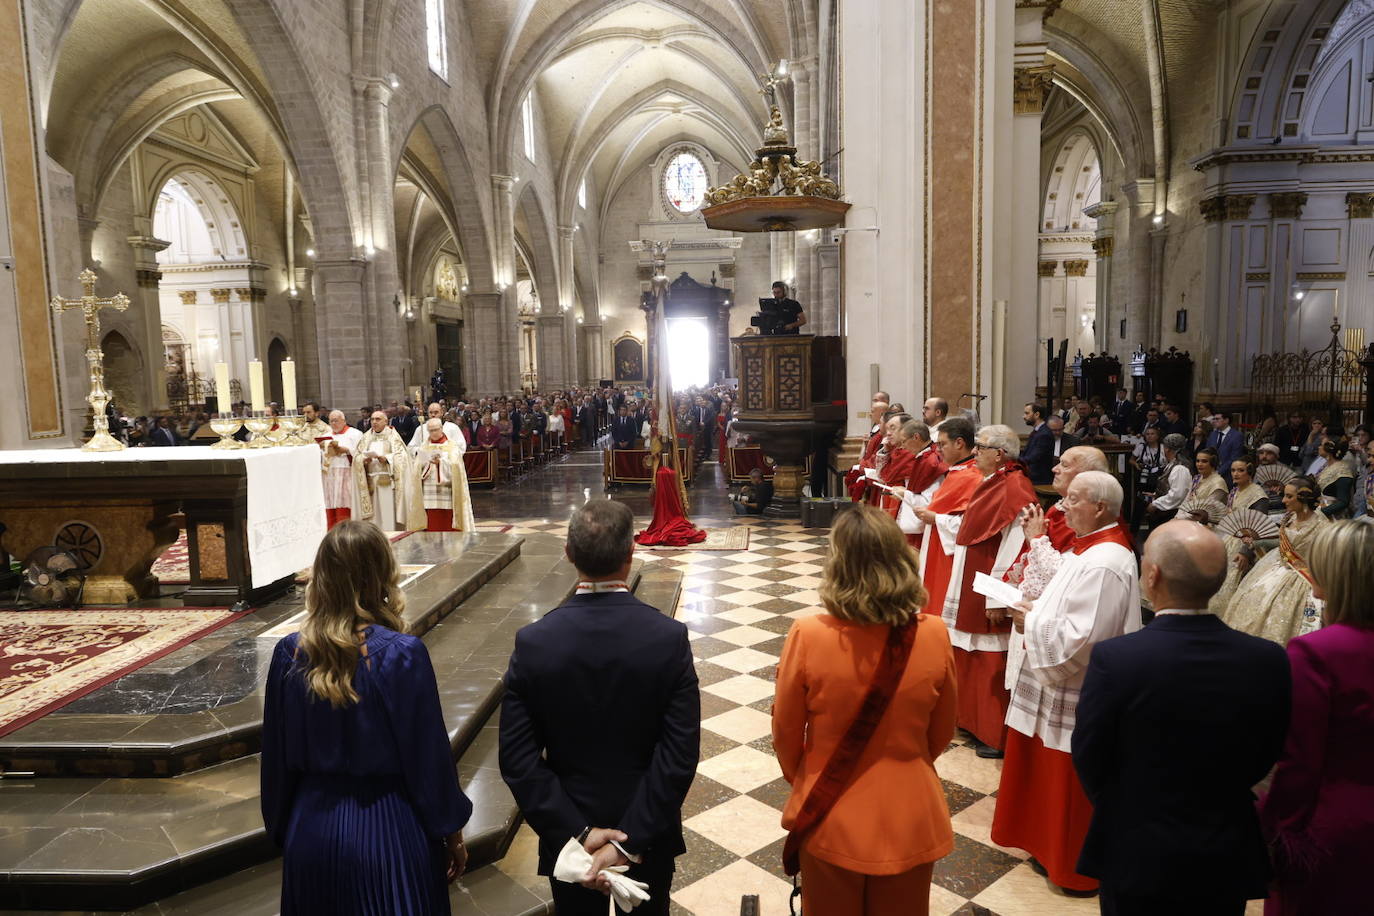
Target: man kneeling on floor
x,y
601,723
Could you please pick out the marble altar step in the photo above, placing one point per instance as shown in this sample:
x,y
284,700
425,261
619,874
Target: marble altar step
x,y
77,843
170,716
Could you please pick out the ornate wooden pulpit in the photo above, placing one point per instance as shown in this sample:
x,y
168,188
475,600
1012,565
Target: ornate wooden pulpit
x,y
791,400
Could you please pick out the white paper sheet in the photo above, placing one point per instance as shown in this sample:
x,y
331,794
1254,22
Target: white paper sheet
x,y
996,589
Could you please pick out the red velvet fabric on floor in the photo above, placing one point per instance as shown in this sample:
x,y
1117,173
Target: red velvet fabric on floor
x,y
670,526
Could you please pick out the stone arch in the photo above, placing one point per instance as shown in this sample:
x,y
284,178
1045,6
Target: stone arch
x,y
123,372
1332,109
1074,181
1283,48
544,261
461,203
222,220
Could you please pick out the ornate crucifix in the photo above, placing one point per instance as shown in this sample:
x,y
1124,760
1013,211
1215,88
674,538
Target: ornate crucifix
x,y
99,397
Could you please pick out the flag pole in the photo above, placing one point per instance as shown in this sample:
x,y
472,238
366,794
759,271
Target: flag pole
x,y
663,425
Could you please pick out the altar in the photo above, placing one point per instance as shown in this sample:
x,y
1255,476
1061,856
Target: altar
x,y
253,517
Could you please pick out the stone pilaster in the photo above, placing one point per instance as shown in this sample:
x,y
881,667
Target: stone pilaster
x,y
1104,246
346,375
147,317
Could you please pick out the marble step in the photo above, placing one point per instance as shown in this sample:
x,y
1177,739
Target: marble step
x,y
71,843
203,704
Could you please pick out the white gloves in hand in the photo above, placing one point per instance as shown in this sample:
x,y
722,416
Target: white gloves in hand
x,y
573,863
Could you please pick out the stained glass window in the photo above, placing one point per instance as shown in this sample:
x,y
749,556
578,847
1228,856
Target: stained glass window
x,y
684,182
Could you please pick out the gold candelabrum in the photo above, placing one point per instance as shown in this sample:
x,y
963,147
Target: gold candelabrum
x,y
258,424
99,398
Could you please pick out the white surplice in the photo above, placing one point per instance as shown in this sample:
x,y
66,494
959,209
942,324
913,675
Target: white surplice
x,y
1093,596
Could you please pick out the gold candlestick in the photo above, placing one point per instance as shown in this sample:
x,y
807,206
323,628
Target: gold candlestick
x,y
99,398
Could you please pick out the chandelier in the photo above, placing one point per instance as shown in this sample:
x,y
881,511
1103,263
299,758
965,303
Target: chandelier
x,y
778,192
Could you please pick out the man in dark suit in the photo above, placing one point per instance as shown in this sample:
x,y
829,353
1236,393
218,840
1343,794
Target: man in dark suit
x,y
163,434
1173,422
1060,441
705,416
585,418
624,429
601,722
1227,440
1122,412
1036,454
1291,438
1166,837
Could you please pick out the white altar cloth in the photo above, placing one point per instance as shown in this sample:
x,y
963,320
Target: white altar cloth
x,y
286,520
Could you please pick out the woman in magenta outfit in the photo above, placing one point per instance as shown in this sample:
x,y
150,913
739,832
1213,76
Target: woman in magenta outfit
x,y
1319,813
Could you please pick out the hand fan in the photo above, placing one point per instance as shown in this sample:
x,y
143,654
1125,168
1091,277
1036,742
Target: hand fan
x,y
1252,523
1207,511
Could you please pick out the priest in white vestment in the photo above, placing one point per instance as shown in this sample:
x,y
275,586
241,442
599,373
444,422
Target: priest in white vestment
x,y
338,446
451,430
1094,596
443,480
313,428
384,485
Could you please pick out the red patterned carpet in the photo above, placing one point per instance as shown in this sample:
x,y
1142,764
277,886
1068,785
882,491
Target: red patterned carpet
x,y
49,658
174,566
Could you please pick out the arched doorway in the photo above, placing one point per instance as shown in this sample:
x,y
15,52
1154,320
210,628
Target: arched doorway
x,y
123,373
1068,263
276,355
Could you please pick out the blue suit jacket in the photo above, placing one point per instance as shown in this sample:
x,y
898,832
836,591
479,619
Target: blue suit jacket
x,y
1228,449
601,724
1176,723
1039,455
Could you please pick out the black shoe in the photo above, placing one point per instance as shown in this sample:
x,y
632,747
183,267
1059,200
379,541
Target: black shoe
x,y
1070,892
987,751
1036,867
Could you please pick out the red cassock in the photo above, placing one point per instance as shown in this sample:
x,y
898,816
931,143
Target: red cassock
x,y
670,527
961,479
989,517
854,481
915,473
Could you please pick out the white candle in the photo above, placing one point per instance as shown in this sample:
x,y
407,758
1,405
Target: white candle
x,y
223,394
255,386
288,386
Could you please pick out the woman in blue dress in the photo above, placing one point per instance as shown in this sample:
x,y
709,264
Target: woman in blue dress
x,y
359,787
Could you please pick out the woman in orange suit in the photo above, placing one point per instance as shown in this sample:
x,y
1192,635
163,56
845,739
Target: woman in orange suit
x,y
875,849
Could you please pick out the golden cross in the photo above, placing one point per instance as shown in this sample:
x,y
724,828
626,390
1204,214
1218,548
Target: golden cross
x,y
90,304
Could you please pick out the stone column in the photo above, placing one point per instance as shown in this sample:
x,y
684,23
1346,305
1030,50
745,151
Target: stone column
x,y
592,345
482,341
148,307
552,367
1103,246
346,373
804,107
507,349
1140,314
1031,82
1356,304
387,332
827,300
782,249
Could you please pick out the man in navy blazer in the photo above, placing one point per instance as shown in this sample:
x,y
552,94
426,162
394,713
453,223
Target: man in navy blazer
x,y
1176,723
1227,440
1038,453
624,429
601,722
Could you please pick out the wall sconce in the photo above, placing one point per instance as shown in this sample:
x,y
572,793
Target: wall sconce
x,y
309,252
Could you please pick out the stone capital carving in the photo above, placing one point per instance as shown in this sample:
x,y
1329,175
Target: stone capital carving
x,y
727,270
1046,268
1031,87
1238,206
188,296
1213,208
220,296
1104,245
148,279
1077,268
244,293
1287,204
1359,206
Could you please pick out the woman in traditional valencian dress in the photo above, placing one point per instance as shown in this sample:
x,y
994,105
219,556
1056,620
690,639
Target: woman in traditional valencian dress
x,y
1336,481
1272,600
1246,494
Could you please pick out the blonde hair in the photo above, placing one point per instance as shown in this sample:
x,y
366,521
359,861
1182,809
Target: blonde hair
x,y
354,582
871,575
1342,562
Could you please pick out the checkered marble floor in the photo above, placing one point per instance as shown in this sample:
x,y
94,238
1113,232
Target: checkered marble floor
x,y
738,607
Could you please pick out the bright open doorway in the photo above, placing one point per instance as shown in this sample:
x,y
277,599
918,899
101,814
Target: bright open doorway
x,y
689,352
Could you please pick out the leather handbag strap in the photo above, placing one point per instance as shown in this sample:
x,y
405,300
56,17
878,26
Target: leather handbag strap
x,y
839,769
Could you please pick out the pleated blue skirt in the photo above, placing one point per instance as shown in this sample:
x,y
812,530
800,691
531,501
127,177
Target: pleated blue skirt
x,y
354,847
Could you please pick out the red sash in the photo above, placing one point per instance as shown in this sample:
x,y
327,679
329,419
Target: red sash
x,y
839,769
